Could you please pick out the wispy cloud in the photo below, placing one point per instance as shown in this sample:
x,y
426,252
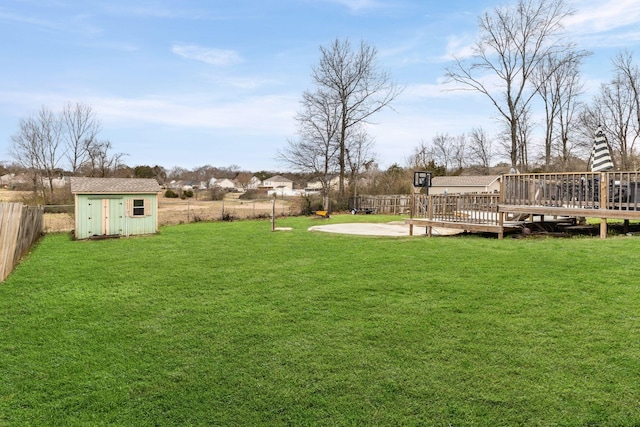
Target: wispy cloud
x,y
267,113
459,46
361,5
29,20
207,55
74,24
245,83
153,10
605,23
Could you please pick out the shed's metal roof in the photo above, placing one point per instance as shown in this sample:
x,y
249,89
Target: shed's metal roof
x,y
464,181
114,185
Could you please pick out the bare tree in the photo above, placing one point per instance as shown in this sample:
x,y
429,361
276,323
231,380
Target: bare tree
x,y
101,162
38,147
459,154
420,158
353,81
25,150
481,149
81,128
630,74
315,150
514,40
570,86
524,129
442,150
559,86
244,179
613,110
360,156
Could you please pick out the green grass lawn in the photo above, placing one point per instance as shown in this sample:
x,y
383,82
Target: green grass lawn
x,y
231,324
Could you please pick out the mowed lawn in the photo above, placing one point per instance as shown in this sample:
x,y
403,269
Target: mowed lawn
x,y
230,324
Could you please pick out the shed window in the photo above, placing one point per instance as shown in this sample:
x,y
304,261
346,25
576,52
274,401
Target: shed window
x,y
138,207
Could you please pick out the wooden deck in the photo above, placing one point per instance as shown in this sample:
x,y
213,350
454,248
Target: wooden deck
x,y
606,195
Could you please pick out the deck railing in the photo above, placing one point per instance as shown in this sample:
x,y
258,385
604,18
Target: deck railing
x,y
591,190
460,208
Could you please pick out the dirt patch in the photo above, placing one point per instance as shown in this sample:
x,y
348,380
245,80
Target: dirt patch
x,y
15,196
176,211
393,229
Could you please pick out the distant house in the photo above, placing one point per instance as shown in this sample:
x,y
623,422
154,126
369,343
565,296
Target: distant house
x,y
59,182
226,184
175,185
6,180
115,206
465,184
10,180
277,182
315,185
194,185
254,183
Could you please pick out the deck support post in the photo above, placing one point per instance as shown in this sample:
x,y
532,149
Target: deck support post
x,y
603,228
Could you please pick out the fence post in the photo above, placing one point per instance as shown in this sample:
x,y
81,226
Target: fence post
x,y
273,213
429,215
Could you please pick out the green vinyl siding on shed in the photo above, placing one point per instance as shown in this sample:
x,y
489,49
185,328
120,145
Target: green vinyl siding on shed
x,y
115,206
107,215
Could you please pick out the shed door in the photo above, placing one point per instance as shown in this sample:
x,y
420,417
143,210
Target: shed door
x,y
106,217
115,216
94,218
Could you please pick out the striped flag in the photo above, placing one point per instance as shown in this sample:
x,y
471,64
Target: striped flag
x,y
600,154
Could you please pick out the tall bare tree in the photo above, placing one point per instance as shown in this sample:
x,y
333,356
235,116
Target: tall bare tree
x,y
360,155
101,161
481,149
630,74
25,150
38,147
613,110
81,128
513,41
559,85
315,149
442,150
354,82
420,158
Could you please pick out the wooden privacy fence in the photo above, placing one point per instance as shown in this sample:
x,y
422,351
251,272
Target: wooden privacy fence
x,y
20,227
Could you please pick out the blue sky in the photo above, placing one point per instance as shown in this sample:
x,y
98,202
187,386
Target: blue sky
x,y
194,82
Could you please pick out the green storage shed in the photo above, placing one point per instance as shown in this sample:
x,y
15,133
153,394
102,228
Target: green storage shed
x,y
115,206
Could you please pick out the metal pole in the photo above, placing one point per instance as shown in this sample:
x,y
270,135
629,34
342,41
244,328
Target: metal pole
x,y
273,213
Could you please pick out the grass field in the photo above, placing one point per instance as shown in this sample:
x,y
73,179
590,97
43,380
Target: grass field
x,y
231,324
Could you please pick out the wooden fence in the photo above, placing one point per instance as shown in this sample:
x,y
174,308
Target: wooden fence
x,y
20,227
398,204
